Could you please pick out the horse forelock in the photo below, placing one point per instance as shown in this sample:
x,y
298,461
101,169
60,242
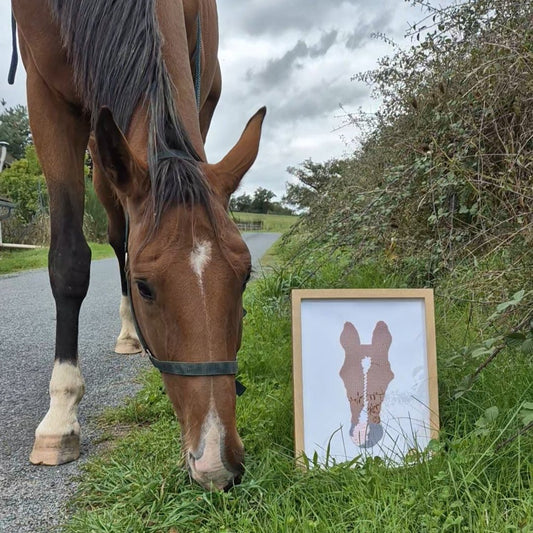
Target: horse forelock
x,y
115,51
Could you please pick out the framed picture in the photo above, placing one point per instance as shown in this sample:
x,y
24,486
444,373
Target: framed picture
x,y
365,373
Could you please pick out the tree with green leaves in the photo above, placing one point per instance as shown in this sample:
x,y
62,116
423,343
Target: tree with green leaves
x,y
15,130
24,184
241,204
262,200
312,180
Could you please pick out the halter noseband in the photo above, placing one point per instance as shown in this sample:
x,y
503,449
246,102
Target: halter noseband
x,y
178,368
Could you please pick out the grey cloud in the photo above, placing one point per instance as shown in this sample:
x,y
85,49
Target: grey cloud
x,y
326,42
318,101
277,70
363,32
356,39
258,17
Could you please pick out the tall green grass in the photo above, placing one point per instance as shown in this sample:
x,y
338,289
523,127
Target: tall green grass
x,y
468,484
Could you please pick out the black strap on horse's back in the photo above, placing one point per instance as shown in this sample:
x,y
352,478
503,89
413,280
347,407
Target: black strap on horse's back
x,y
197,60
14,52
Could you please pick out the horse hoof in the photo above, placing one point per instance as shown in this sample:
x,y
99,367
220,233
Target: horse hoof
x,y
128,346
52,450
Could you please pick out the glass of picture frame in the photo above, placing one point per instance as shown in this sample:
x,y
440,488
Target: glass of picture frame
x,y
365,374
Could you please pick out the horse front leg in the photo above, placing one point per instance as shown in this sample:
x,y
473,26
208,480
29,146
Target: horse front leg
x,y
60,133
127,341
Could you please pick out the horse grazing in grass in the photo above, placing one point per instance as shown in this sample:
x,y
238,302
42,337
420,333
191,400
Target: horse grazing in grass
x,y
119,76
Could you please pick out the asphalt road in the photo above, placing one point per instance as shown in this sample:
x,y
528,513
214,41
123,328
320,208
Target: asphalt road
x,y
32,498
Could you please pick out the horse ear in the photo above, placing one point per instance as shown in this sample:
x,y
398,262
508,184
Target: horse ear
x,y
114,154
226,175
350,337
381,336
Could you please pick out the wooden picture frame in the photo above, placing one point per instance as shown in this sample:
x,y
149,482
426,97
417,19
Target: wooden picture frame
x,y
365,373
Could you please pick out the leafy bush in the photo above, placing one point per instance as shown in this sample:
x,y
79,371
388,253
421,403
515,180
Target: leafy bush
x,y
440,190
15,129
444,171
95,218
24,184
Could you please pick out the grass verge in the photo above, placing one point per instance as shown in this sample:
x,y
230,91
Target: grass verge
x,y
468,485
14,260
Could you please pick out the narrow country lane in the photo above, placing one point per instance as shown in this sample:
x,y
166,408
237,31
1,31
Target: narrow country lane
x,y
32,499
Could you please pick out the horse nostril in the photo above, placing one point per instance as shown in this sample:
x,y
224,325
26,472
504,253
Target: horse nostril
x,y
236,481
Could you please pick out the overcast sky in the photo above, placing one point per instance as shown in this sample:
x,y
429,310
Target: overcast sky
x,y
296,58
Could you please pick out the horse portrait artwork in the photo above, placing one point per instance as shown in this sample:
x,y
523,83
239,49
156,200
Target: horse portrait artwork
x,y
366,374
137,81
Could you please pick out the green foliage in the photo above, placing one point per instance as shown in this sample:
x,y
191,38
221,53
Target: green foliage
x,y
464,482
261,202
15,130
313,179
444,169
440,189
24,184
95,217
241,203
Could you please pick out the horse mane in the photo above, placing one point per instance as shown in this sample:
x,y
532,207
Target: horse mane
x,y
115,51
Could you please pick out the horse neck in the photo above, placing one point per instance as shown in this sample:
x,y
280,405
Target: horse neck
x,y
172,26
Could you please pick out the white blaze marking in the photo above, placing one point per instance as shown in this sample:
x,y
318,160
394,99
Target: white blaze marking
x,y
200,257
209,469
66,390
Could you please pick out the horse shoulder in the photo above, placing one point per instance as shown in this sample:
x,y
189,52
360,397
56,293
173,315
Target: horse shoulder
x,y
41,48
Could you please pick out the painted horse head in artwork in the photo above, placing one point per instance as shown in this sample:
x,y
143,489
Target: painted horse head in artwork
x,y
132,97
366,374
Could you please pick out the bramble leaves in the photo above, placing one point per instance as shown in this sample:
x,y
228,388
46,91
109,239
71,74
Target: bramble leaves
x,y
526,413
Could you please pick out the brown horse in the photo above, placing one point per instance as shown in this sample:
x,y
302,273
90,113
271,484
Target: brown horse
x,y
119,76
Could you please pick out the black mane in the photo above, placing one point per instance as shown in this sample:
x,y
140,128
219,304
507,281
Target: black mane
x,y
115,50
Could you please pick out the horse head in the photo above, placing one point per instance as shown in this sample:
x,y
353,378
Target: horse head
x,y
187,274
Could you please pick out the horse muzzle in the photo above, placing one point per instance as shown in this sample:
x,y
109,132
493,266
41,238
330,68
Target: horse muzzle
x,y
213,476
217,461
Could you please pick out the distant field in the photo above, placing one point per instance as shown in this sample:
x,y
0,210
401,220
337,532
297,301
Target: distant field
x,y
274,223
12,260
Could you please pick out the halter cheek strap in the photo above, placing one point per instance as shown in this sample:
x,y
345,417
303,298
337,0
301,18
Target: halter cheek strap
x,y
179,368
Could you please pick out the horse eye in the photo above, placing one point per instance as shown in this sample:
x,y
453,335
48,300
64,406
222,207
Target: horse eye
x,y
144,290
247,279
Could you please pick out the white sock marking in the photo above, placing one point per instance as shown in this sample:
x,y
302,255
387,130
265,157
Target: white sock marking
x,y
66,390
127,330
